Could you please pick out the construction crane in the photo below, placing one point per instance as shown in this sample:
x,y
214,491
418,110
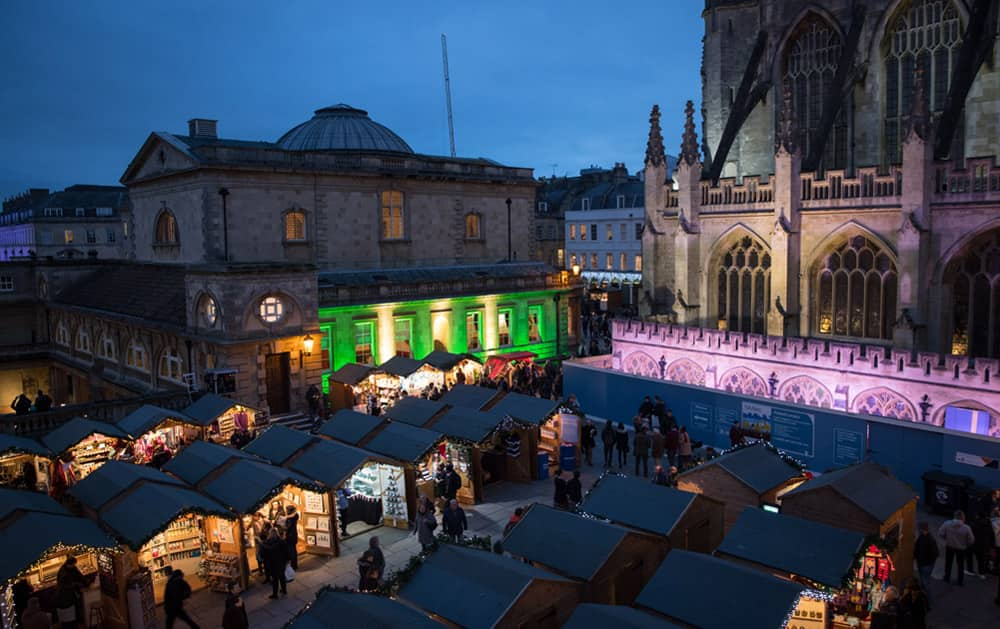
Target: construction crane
x,y
447,92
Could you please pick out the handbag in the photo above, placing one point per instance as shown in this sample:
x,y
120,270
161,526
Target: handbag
x,y
289,573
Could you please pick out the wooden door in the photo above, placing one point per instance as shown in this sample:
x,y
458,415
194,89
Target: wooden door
x,y
277,372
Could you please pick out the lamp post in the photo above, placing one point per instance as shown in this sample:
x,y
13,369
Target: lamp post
x,y
925,407
508,229
773,381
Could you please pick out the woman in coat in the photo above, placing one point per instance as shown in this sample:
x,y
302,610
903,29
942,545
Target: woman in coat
x,y
275,554
424,526
684,447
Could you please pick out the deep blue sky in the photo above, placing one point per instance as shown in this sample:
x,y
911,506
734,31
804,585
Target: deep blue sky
x,y
534,82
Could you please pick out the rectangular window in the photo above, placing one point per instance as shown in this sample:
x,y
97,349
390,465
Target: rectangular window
x,y
620,202
622,263
91,237
583,231
392,215
609,229
103,211
68,236
623,231
404,336
572,260
593,231
593,261
543,206
6,283
534,324
609,262
503,327
364,341
585,203
81,212
572,231
638,263
560,258
53,211
111,236
638,231
474,331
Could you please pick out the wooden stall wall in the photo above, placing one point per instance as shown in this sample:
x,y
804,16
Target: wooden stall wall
x,y
701,528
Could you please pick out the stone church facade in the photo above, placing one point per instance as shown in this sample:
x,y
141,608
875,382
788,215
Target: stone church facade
x,y
845,190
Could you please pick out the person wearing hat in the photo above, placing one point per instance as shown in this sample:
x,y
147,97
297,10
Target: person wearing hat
x,y
292,535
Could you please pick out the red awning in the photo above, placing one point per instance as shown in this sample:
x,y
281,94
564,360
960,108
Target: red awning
x,y
495,364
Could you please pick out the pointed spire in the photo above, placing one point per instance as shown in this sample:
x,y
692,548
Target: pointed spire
x,y
919,118
654,146
689,141
786,130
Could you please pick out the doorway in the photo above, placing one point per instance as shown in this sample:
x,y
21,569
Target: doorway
x,y
277,371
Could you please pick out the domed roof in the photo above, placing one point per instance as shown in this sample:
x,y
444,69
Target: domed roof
x,y
342,128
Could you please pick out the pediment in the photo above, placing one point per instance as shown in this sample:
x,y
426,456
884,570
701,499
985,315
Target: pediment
x,y
161,154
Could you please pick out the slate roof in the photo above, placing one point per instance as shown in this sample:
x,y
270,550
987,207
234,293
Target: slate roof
x,y
758,467
13,499
89,196
432,274
209,407
351,373
147,508
584,546
278,443
867,485
13,444
400,366
330,462
526,408
468,424
637,503
821,553
415,411
350,426
472,588
594,616
363,611
147,417
27,537
469,396
246,485
199,458
76,430
150,292
713,593
113,478
403,442
444,361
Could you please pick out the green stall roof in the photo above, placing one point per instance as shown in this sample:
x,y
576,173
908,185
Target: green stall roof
x,y
199,458
76,430
113,478
278,443
148,417
364,611
637,503
145,510
350,426
30,536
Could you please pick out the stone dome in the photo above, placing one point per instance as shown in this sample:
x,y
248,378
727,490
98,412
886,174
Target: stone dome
x,y
342,128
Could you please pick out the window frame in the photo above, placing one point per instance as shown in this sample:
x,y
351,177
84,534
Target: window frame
x,y
509,312
372,345
300,230
68,236
392,224
62,334
475,219
475,316
166,232
82,341
103,346
271,305
171,360
408,321
6,283
536,314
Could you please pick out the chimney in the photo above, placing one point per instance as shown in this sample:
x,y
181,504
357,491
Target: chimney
x,y
202,128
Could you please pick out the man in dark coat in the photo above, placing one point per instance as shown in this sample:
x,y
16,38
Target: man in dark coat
x,y
174,595
588,440
275,554
454,521
621,443
659,410
608,439
21,404
43,402
641,451
925,553
574,489
292,535
646,408
560,499
453,482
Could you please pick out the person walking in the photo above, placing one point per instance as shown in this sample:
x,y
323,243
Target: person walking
x,y
454,521
235,616
588,440
671,440
957,538
560,499
275,553
925,553
982,530
21,404
574,489
913,606
367,576
641,445
621,444
608,441
424,525
378,557
453,482
175,593
292,535
657,445
684,448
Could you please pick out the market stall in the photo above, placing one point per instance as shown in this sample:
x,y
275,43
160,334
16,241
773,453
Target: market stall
x,y
470,396
37,535
354,609
611,562
221,417
156,431
24,463
402,374
349,386
503,366
81,446
415,411
756,475
453,368
550,432
164,525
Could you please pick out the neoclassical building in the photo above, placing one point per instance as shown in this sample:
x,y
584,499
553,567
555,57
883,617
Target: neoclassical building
x,y
845,190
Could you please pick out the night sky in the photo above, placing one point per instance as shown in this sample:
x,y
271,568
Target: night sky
x,y
534,83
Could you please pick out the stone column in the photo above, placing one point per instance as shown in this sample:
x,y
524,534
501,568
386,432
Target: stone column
x,y
655,175
687,233
786,232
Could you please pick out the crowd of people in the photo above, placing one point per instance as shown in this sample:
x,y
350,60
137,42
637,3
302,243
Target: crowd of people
x,y
275,539
22,404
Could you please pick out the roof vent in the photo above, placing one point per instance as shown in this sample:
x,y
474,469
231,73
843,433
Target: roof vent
x,y
202,128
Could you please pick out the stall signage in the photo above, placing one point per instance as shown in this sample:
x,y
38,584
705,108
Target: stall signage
x,y
789,430
701,416
847,446
314,502
570,427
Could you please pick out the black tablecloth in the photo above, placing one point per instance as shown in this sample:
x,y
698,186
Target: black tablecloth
x,y
362,509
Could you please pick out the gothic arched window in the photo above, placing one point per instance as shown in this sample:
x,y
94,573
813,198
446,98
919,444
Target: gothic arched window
x,y
975,286
744,285
811,57
857,290
928,32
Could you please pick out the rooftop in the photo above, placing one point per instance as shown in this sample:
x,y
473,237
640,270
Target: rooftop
x,y
867,485
342,128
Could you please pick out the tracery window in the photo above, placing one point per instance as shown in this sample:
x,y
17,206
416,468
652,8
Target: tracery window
x,y
927,32
975,286
136,356
884,403
742,380
685,371
811,58
806,390
857,290
744,285
106,348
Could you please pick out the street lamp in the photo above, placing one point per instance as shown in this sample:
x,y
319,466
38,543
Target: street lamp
x,y
925,407
307,344
576,270
773,381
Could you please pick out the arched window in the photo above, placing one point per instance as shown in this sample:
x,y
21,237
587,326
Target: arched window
x,y
171,367
810,63
641,364
806,390
106,348
166,228
974,278
136,356
392,215
884,403
928,32
472,226
208,311
83,340
744,285
857,290
295,225
685,371
743,380
62,334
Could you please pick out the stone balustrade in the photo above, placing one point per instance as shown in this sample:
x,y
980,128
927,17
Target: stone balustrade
x,y
750,194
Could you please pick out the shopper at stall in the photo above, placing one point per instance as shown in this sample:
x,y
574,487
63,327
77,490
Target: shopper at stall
x,y
913,606
588,440
957,538
887,616
424,525
684,448
608,441
367,574
292,535
261,528
454,521
621,444
275,553
574,489
641,454
70,584
378,559
175,593
342,504
925,553
453,482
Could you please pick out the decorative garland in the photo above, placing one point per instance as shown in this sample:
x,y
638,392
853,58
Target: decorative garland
x,y
323,590
587,514
60,548
476,541
196,511
787,458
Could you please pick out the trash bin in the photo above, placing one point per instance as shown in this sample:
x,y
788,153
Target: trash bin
x,y
543,465
944,493
567,457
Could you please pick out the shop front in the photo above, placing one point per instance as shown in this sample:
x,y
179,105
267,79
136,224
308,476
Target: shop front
x,y
349,387
80,447
453,369
402,375
38,535
159,433
24,463
222,417
546,433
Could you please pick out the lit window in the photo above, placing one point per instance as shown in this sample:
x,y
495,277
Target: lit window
x,y
6,283
82,340
560,257
392,215
609,231
593,261
364,340
103,211
171,367
473,330
68,236
209,311
534,324
583,261
271,309
106,348
62,334
166,228
572,260
583,232
404,335
472,226
973,277
609,262
295,225
572,231
638,263
622,263
136,357
503,328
